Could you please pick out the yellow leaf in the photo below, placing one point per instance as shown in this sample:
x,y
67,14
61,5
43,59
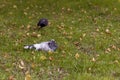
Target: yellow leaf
x,y
50,52
84,35
43,57
27,76
77,55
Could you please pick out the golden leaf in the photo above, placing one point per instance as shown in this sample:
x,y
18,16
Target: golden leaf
x,y
77,55
50,52
84,35
27,76
43,57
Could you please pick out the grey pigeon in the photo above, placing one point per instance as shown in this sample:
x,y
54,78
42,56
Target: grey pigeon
x,y
44,46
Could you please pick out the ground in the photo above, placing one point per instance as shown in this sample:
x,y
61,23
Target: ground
x,y
87,33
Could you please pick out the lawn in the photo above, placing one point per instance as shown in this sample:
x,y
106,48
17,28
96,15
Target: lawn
x,y
87,33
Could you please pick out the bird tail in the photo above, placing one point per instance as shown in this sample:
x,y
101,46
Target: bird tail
x,y
29,47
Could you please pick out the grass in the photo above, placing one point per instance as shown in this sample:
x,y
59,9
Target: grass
x,y
87,33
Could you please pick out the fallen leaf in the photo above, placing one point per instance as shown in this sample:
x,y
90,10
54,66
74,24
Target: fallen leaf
x,y
108,49
33,65
21,64
107,31
27,76
89,69
93,59
77,55
97,30
28,26
25,13
80,39
116,61
11,77
51,58
38,35
114,47
43,57
50,52
28,34
84,35
14,6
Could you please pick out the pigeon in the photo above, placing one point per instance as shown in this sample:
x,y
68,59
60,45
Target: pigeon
x,y
44,46
42,23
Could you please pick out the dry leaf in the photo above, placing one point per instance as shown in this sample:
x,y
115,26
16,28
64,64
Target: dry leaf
x,y
28,34
27,76
69,37
116,61
28,26
93,59
11,77
43,57
84,35
108,49
107,31
97,30
51,58
89,69
25,13
21,64
34,34
114,47
38,35
14,6
80,39
77,55
68,9
50,52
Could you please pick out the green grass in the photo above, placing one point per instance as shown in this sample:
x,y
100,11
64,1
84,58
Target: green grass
x,y
86,31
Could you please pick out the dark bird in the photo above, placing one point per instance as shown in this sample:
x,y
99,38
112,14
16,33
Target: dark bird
x,y
42,22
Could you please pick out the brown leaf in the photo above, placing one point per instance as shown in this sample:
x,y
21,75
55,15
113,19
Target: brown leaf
x,y
33,65
114,47
11,77
51,58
